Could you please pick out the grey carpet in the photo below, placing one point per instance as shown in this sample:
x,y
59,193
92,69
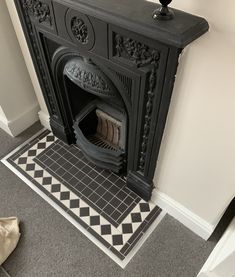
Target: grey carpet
x,y
51,246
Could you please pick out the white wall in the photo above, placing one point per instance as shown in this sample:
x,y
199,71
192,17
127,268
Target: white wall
x,y
19,105
197,157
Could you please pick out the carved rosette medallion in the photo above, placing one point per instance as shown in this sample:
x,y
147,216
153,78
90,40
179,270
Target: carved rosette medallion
x,y
38,9
79,30
141,55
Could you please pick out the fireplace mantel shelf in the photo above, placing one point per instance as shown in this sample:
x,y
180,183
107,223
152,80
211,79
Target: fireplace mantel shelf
x,y
136,16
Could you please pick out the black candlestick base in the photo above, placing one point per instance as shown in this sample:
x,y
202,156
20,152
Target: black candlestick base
x,y
163,13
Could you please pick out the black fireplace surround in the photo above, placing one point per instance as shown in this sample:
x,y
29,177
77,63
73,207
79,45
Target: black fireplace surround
x,y
107,70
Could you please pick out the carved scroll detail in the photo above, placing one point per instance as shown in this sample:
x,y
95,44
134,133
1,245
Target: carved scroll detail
x,y
32,37
148,117
38,10
141,55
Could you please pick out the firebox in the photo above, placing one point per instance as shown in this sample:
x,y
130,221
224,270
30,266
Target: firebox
x,y
95,108
107,70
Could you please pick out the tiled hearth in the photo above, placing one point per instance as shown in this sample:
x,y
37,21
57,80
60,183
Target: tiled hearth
x,y
97,200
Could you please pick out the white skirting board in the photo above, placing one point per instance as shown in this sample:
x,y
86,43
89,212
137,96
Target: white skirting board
x,y
192,221
44,119
20,123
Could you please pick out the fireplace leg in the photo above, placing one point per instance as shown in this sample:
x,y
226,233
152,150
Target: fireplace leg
x,y
140,185
62,132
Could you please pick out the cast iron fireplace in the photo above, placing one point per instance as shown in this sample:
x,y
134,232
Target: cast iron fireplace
x,y
107,71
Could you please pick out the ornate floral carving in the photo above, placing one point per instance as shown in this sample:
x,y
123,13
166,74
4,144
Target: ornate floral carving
x,y
141,55
89,79
148,117
137,52
33,40
38,9
79,30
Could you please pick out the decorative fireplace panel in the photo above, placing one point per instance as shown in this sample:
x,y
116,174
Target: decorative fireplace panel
x,y
107,73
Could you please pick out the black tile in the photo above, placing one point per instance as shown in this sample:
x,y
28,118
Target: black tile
x,y
115,215
99,179
73,160
86,180
106,173
53,167
117,253
22,160
106,184
65,195
108,209
105,229
41,145
117,239
121,195
86,169
144,207
80,175
122,208
92,174
101,203
80,186
94,197
87,192
73,182
55,156
67,176
85,211
133,195
30,167
133,244
55,188
67,156
128,200
127,228
38,173
93,185
74,203
136,217
61,161
48,162
115,202
113,178
107,196
72,169
120,183
60,171
114,189
95,220
100,190
32,153
46,180
50,138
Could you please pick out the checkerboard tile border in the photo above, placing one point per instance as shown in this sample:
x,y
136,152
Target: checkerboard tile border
x,y
120,240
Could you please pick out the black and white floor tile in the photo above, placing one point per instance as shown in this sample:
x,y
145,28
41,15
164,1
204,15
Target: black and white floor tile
x,y
96,200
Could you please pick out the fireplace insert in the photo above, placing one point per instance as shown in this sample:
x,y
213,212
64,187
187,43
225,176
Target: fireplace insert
x,y
107,71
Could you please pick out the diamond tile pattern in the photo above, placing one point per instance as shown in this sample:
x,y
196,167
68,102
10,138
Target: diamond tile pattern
x,y
97,199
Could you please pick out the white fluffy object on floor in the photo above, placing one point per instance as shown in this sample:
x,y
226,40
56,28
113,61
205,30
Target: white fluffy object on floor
x,y
9,236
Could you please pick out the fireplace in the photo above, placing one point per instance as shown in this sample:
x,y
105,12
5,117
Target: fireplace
x,y
107,74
